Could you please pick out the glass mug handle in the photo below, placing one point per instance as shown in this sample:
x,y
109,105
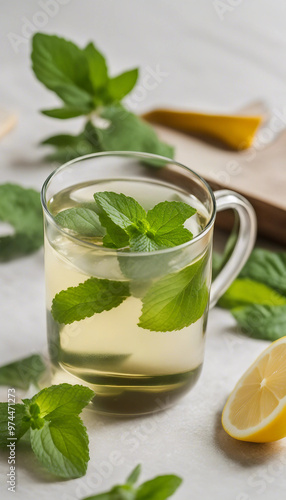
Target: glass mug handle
x,y
226,199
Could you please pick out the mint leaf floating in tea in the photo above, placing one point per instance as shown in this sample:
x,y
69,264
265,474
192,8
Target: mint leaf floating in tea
x,y
81,80
23,372
83,301
159,488
244,292
267,267
262,322
123,210
57,434
165,224
21,208
176,300
82,221
160,227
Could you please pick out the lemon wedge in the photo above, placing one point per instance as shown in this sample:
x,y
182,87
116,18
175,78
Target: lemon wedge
x,y
256,409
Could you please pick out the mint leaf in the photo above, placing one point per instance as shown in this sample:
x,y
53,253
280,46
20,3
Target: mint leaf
x,y
134,475
246,291
123,210
164,227
62,67
159,488
70,146
58,401
268,268
262,322
128,132
19,425
61,445
168,215
119,86
21,208
161,227
23,372
83,301
83,221
143,242
64,113
176,300
98,72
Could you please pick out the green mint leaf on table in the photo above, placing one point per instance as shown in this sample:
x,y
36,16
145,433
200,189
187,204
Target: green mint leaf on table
x,y
60,400
20,207
57,434
176,300
262,322
267,267
82,221
134,475
245,291
61,445
23,372
159,488
160,227
20,426
83,301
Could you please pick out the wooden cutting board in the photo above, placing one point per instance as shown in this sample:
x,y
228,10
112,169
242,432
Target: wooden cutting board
x,y
257,173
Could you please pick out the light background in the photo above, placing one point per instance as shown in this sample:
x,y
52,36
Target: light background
x,y
215,56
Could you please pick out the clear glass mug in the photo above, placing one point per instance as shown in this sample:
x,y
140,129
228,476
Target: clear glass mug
x,y
144,347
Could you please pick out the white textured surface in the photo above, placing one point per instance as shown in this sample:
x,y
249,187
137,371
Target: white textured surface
x,y
212,64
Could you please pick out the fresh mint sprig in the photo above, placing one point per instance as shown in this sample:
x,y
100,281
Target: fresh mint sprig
x,y
57,434
160,227
81,79
124,222
159,488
